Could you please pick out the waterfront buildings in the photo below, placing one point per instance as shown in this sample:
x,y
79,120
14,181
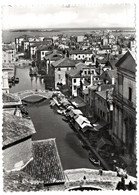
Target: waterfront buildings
x,y
8,54
59,68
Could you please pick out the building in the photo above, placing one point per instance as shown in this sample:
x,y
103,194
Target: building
x,y
109,76
80,54
59,69
33,48
101,107
80,38
8,54
11,101
51,58
124,115
17,141
7,73
42,50
73,78
22,42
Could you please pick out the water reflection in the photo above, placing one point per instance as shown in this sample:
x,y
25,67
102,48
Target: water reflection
x,y
26,81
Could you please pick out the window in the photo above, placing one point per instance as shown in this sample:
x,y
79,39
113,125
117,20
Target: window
x,y
88,71
74,80
130,94
59,77
43,53
59,69
103,114
85,72
79,56
74,87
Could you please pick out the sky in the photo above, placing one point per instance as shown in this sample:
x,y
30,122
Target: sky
x,y
101,15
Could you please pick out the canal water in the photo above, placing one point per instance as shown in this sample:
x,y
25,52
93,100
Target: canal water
x,y
49,124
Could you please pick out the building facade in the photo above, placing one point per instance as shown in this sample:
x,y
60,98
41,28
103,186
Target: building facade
x,y
124,115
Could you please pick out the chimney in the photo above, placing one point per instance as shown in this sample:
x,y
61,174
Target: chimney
x,y
113,80
99,87
91,80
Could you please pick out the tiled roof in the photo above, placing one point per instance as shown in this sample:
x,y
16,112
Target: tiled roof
x,y
80,52
127,62
7,97
78,102
46,165
85,91
110,73
74,73
15,128
35,44
102,94
7,47
54,56
44,168
94,87
65,62
106,86
43,48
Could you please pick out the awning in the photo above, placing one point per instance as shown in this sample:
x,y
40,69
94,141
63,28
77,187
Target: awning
x,y
99,124
83,121
77,112
77,102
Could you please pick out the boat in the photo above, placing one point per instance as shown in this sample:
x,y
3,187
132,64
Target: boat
x,y
10,85
85,147
16,80
9,80
26,116
65,119
59,111
94,161
52,103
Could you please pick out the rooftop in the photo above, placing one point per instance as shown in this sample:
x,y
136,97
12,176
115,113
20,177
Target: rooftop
x,y
76,72
45,168
43,48
8,97
15,128
110,73
103,93
80,52
127,62
54,56
64,62
46,165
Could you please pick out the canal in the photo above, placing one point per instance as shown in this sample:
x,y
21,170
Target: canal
x,y
49,124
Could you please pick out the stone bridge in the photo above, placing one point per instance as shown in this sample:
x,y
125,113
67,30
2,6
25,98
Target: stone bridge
x,y
28,93
107,181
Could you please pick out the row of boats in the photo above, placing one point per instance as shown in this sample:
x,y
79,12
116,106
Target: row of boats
x,y
12,81
64,111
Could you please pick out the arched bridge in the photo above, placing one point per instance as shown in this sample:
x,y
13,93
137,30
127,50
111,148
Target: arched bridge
x,y
93,180
28,93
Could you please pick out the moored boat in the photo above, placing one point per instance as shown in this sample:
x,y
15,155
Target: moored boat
x,y
94,161
16,80
65,119
59,111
